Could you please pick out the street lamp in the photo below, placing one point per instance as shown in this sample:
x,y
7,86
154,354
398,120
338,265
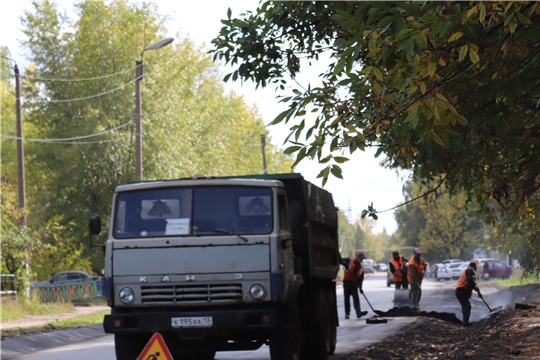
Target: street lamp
x,y
20,146
138,106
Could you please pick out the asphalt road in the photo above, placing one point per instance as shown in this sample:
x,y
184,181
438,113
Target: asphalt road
x,y
353,334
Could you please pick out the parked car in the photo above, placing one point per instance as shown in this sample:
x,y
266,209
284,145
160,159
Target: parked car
x,y
498,270
443,273
68,277
452,261
382,267
368,266
389,279
456,269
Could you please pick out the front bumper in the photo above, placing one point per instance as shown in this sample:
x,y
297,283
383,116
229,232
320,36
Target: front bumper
x,y
223,321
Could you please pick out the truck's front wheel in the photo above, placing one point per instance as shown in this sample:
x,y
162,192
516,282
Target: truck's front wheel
x,y
129,346
286,344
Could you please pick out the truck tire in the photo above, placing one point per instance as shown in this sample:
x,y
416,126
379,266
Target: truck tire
x,y
130,346
321,343
332,306
286,344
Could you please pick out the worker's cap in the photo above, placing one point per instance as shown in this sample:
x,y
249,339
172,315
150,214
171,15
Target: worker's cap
x,y
416,251
473,264
361,255
395,253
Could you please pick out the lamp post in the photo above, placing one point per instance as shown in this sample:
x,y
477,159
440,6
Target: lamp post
x,y
21,181
263,145
138,106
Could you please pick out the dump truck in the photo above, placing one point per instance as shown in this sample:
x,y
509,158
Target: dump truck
x,y
222,264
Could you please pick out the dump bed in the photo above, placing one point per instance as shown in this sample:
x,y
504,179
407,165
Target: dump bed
x,y
315,226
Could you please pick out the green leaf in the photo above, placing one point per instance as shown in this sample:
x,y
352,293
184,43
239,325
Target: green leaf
x,y
280,117
340,65
473,55
378,74
482,12
455,36
340,159
463,52
525,20
446,29
325,160
324,172
337,172
433,135
291,149
462,120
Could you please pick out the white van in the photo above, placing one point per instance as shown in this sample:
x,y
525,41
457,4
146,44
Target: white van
x,y
368,266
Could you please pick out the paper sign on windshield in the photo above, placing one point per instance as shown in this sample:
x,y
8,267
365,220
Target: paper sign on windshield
x,y
177,227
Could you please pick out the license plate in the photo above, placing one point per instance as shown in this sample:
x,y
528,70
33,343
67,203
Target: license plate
x,y
203,321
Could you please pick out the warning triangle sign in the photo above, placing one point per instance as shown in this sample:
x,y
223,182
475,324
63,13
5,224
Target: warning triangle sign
x,y
155,349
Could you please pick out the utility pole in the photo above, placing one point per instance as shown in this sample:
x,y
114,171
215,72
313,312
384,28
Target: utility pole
x,y
138,106
20,150
138,125
263,145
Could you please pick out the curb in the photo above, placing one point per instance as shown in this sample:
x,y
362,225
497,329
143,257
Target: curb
x,y
12,348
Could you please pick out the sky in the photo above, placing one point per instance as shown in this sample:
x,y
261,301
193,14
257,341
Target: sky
x,y
365,182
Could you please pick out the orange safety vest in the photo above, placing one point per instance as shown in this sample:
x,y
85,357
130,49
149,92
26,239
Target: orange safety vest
x,y
462,282
419,270
347,276
398,276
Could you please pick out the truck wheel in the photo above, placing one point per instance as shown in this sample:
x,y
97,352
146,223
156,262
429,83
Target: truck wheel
x,y
332,308
320,341
286,344
129,346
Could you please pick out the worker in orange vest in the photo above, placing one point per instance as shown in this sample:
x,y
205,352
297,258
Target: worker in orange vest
x,y
353,278
464,288
398,268
415,274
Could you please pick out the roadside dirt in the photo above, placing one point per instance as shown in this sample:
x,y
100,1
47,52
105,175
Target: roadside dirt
x,y
509,334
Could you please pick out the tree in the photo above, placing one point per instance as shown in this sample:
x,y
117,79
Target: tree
x,y
447,89
191,126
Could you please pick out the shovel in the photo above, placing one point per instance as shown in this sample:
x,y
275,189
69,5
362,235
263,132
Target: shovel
x,y
490,309
378,312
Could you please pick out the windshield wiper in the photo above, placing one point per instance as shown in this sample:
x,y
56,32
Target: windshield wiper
x,y
221,231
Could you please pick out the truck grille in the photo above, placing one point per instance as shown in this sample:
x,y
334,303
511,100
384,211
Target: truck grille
x,y
192,294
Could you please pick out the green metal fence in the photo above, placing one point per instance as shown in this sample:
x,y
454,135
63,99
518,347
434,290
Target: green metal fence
x,y
85,290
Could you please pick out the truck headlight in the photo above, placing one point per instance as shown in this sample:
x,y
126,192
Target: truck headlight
x,y
126,295
257,291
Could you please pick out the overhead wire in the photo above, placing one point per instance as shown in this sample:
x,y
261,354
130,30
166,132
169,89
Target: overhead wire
x,y
82,79
93,96
69,139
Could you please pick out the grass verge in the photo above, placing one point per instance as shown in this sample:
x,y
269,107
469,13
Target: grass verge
x,y
71,323
517,279
19,309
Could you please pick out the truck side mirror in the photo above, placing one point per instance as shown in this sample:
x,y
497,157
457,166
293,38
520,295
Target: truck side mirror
x,y
94,225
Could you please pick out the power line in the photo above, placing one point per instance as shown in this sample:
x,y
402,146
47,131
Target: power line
x,y
69,139
91,96
82,79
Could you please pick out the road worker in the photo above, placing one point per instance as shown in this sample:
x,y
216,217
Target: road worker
x,y
398,268
415,273
464,288
353,278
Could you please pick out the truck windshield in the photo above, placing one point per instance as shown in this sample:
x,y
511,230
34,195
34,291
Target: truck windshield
x,y
196,211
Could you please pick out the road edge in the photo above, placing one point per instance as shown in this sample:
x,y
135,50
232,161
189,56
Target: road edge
x,y
14,347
